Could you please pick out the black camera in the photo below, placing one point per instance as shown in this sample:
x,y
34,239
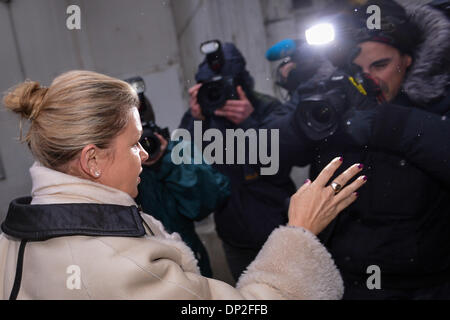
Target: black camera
x,y
216,91
318,114
149,140
320,110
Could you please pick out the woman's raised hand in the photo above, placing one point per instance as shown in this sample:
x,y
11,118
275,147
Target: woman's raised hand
x,y
317,203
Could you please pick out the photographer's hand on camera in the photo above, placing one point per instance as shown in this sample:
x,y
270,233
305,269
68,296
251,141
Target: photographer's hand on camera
x,y
164,144
357,121
237,111
317,203
196,110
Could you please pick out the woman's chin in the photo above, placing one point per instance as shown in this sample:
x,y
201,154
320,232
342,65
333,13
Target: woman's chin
x,y
134,194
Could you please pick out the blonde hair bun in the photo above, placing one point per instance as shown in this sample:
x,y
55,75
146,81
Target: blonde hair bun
x,y
26,99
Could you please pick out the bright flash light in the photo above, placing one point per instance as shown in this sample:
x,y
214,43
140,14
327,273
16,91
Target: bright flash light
x,y
320,34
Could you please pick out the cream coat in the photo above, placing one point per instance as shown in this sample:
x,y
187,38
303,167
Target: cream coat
x,y
291,265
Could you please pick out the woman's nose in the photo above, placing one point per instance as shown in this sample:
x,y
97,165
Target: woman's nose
x,y
143,153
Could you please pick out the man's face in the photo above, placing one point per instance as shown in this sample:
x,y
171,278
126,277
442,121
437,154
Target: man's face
x,y
385,64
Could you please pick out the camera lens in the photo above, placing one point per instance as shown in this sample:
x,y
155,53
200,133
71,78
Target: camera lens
x,y
214,93
322,114
212,96
150,143
317,117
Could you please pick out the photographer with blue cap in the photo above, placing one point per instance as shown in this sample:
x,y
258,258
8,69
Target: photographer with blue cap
x,y
224,98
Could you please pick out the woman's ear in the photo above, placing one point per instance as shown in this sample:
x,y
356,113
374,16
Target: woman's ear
x,y
89,161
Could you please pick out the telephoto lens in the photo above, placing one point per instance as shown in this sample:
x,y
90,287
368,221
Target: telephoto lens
x,y
319,114
319,111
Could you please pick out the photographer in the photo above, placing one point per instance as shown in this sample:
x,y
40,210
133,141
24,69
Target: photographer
x,y
299,65
401,221
176,195
258,204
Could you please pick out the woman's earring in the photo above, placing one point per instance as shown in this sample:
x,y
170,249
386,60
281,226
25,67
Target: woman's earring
x,y
399,70
97,174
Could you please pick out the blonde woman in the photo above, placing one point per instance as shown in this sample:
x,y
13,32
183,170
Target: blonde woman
x,y
81,236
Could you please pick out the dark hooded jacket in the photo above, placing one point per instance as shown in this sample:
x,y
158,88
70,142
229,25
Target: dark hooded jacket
x,y
258,203
401,220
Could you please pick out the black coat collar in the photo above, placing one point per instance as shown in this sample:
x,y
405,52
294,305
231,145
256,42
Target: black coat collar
x,y
42,222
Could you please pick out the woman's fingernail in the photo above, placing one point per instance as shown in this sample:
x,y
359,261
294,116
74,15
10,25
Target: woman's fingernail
x,y
341,159
307,181
361,166
365,178
356,194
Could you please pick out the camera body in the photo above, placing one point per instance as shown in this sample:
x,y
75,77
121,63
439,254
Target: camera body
x,y
220,86
318,113
320,110
150,141
214,93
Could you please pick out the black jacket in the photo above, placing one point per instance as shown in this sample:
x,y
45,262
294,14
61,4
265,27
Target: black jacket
x,y
401,220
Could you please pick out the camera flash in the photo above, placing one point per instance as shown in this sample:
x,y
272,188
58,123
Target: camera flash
x,y
320,34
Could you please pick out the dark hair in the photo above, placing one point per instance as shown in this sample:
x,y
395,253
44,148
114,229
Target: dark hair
x,y
396,28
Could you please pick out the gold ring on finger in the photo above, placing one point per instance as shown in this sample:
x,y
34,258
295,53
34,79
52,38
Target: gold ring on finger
x,y
336,187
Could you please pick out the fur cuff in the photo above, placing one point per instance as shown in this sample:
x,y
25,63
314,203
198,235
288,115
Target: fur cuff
x,y
294,262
